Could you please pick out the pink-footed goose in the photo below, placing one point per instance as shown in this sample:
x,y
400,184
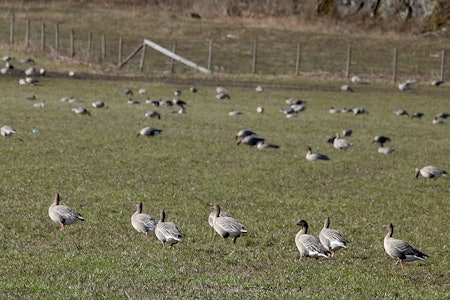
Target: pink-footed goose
x,y
143,223
226,226
167,232
331,239
308,245
62,214
400,250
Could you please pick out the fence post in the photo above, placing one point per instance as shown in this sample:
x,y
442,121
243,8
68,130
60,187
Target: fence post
x,y
11,30
89,45
172,62
27,33
72,46
103,48
141,64
443,66
349,61
43,37
394,71
210,55
298,58
119,59
57,37
255,50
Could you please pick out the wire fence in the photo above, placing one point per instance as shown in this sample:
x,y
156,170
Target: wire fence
x,y
260,55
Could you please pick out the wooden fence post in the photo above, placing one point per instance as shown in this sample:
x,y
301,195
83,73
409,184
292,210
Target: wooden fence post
x,y
119,58
43,37
394,68
27,33
57,37
255,50
443,66
298,58
89,45
103,48
141,64
210,55
349,61
11,30
72,46
172,62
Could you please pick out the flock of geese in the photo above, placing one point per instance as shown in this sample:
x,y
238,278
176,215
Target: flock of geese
x,y
223,224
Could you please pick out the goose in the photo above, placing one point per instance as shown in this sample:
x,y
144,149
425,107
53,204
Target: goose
x,y
99,104
341,144
404,86
259,89
74,100
30,71
149,131
222,96
152,114
221,90
234,113
226,226
211,218
437,121
27,60
166,103
331,239
193,89
310,156
167,232
298,107
359,111
133,101
401,112
437,82
63,215
346,88
143,223
243,133
39,104
400,250
177,93
347,132
71,74
356,79
7,131
250,140
260,109
181,111
42,72
262,145
127,92
385,150
308,245
142,91
179,102
152,102
442,115
430,172
381,139
417,115
294,101
334,110
81,111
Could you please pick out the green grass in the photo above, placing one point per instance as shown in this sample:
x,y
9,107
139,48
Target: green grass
x,y
101,169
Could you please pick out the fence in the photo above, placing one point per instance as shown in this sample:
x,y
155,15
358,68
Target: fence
x,y
260,55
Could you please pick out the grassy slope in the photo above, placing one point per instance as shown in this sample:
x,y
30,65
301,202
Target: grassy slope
x,y
101,168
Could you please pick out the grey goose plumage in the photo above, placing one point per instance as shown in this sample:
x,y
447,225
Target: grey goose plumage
x,y
62,214
143,223
167,232
226,226
331,239
430,172
400,250
308,245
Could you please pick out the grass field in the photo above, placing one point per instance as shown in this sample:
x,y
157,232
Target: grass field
x,y
101,169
